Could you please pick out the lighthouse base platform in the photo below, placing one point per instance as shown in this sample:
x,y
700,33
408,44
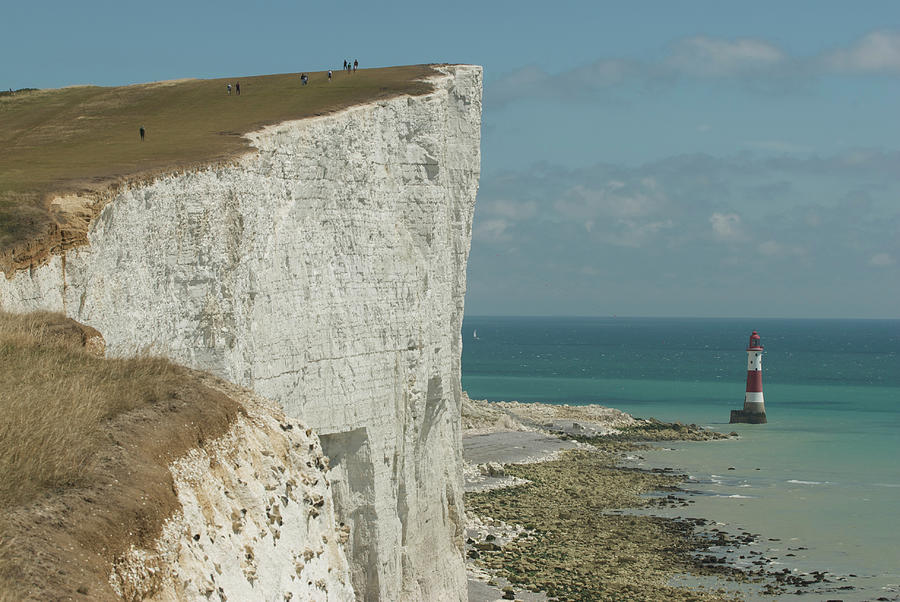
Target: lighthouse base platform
x,y
745,417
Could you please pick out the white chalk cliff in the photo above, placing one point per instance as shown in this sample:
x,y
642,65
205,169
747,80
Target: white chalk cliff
x,y
326,271
256,520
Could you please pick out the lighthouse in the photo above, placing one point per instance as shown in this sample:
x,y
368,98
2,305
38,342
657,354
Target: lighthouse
x,y
754,411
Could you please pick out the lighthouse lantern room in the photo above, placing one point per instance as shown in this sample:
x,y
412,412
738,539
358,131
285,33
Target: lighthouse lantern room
x,y
754,411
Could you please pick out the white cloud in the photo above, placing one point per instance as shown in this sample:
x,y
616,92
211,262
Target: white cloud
x,y
779,146
632,233
602,73
614,199
492,230
704,56
876,52
520,83
509,209
812,219
726,226
770,247
581,83
882,260
752,60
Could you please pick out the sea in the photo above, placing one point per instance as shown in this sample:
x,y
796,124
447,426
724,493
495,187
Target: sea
x,y
819,483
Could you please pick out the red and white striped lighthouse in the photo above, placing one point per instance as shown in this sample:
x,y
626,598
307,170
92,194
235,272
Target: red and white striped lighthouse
x,y
754,411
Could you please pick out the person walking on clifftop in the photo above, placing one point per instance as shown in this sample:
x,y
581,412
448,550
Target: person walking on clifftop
x,y
142,133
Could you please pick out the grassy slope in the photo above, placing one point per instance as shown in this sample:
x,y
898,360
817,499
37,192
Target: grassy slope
x,y
85,139
85,444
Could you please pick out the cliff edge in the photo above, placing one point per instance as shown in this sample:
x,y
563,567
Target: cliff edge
x,y
137,479
326,271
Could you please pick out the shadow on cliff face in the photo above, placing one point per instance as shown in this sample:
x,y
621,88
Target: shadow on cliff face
x,y
85,444
352,480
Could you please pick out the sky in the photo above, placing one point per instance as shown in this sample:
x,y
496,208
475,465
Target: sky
x,y
638,158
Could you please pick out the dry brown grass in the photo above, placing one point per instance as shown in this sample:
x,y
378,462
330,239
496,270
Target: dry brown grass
x,y
85,443
54,396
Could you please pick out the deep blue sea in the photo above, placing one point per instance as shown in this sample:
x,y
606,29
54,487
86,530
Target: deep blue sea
x,y
822,477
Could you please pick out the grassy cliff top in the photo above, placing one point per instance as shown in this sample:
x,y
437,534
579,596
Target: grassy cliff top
x,y
85,140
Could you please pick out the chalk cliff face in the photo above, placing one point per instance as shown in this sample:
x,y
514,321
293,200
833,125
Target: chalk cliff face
x,y
256,520
325,271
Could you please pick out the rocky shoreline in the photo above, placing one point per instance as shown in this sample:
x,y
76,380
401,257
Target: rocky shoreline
x,y
553,514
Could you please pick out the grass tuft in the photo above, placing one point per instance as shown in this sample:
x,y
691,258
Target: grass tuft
x,y
85,445
54,395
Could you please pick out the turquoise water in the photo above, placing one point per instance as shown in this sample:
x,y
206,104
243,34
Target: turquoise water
x,y
828,460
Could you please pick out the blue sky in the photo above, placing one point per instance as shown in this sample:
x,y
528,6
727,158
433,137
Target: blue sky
x,y
639,158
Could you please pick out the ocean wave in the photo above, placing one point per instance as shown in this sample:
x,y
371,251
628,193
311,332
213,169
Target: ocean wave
x,y
734,496
798,482
887,484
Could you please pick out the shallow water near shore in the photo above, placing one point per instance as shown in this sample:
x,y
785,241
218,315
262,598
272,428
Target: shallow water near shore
x,y
829,476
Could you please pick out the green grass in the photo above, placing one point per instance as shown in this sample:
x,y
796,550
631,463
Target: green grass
x,y
86,140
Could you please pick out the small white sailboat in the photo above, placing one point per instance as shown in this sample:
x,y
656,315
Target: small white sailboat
x,y
475,334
